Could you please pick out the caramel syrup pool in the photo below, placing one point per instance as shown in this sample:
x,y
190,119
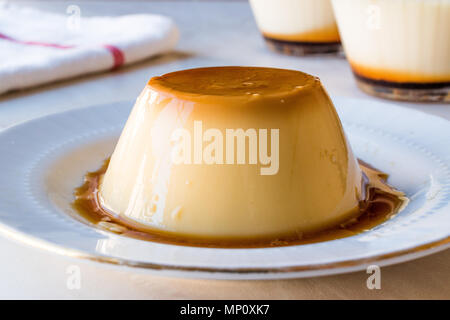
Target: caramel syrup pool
x,y
380,203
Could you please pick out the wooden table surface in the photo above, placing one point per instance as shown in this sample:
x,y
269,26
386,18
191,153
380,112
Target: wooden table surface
x,y
212,33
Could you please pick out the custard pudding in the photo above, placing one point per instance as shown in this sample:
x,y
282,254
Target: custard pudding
x,y
398,49
233,153
297,27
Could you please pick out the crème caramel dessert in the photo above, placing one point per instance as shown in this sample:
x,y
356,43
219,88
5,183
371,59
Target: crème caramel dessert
x,y
398,49
297,27
233,153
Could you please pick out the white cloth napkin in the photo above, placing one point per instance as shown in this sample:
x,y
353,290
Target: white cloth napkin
x,y
38,47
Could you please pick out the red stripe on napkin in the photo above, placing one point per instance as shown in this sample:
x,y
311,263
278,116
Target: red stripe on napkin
x,y
117,54
35,43
119,57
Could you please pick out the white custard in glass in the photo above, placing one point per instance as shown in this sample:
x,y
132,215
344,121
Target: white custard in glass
x,y
403,44
296,21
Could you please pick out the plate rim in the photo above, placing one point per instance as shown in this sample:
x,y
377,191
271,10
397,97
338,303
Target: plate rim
x,y
404,255
355,264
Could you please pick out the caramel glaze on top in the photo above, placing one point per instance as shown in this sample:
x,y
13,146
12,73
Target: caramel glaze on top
x,y
396,76
217,83
380,202
328,34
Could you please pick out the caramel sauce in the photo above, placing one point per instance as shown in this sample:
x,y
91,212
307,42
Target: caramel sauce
x,y
231,82
380,203
396,75
327,34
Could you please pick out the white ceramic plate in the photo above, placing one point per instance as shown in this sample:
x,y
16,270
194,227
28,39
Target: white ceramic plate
x,y
43,160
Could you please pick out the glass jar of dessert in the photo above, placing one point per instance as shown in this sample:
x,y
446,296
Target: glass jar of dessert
x,y
297,27
398,49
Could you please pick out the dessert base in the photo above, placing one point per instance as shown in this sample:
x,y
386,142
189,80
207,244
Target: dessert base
x,y
380,202
423,92
300,48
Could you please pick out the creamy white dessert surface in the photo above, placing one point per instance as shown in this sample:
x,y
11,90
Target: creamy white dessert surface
x,y
291,17
208,37
405,36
